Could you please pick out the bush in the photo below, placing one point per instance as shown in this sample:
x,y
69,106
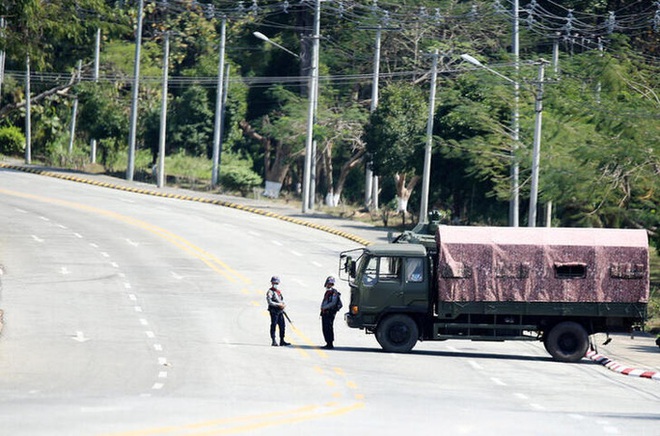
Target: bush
x,y
12,141
238,175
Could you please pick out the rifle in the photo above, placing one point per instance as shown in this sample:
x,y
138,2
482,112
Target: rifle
x,y
287,317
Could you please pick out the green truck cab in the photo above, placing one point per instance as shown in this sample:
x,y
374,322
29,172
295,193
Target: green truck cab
x,y
555,285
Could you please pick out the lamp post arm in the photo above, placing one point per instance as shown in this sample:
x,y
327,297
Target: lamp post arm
x,y
263,37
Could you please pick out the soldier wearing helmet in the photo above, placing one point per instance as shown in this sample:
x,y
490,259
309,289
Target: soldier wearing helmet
x,y
276,307
330,305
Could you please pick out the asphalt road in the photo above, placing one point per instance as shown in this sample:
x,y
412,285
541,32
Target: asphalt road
x,y
136,314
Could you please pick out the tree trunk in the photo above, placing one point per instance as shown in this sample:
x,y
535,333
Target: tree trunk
x,y
275,168
403,190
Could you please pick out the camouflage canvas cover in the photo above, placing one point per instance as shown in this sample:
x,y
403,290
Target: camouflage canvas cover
x,y
542,264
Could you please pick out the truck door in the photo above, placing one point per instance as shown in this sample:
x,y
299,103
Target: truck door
x,y
382,283
416,288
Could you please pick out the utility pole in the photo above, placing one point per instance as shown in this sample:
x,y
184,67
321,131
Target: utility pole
x,y
514,203
369,192
134,100
163,113
536,153
426,176
219,106
97,61
28,112
555,55
72,132
3,24
225,91
313,85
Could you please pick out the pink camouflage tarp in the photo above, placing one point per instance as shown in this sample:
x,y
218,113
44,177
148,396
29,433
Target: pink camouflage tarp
x,y
501,264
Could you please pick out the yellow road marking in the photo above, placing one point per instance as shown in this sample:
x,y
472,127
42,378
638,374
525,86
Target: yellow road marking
x,y
217,265
209,259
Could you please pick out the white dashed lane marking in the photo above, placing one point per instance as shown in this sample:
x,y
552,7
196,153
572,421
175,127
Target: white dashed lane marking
x,y
162,361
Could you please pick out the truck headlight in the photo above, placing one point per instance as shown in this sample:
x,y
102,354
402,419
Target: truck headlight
x,y
354,310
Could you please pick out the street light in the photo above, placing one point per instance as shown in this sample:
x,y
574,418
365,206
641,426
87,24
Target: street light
x,y
533,196
263,37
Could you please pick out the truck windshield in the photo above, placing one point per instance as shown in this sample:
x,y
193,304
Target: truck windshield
x,y
378,269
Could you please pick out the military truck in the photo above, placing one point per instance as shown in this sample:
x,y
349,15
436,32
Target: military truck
x,y
554,285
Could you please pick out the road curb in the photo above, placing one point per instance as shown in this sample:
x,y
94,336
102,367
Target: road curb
x,y
622,369
217,202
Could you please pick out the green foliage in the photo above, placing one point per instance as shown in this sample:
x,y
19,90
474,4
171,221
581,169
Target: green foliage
x,y
237,174
41,29
49,125
185,166
394,135
191,125
12,141
102,117
599,142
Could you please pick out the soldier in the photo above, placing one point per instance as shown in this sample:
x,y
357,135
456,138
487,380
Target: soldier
x,y
276,309
330,305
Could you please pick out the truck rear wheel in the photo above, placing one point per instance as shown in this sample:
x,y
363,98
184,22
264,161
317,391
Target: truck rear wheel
x,y
568,341
397,334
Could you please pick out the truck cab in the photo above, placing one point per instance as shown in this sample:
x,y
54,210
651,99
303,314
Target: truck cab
x,y
386,279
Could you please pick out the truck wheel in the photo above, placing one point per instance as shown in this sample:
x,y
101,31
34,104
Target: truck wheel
x,y
568,341
397,334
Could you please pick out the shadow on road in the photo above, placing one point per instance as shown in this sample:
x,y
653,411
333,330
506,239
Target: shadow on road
x,y
458,354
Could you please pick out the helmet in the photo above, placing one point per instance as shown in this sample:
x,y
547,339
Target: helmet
x,y
329,281
275,279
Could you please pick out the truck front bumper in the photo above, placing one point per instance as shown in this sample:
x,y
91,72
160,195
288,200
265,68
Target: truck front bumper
x,y
357,321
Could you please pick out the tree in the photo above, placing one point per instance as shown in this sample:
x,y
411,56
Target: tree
x,y
191,124
281,135
342,142
102,117
394,137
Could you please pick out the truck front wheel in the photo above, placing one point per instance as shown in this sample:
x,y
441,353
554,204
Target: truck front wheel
x,y
397,333
568,341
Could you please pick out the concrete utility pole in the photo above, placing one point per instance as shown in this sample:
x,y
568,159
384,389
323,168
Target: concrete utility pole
x,y
307,202
225,91
3,24
74,115
514,202
163,113
426,176
97,62
555,55
369,193
134,100
219,106
536,153
28,114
